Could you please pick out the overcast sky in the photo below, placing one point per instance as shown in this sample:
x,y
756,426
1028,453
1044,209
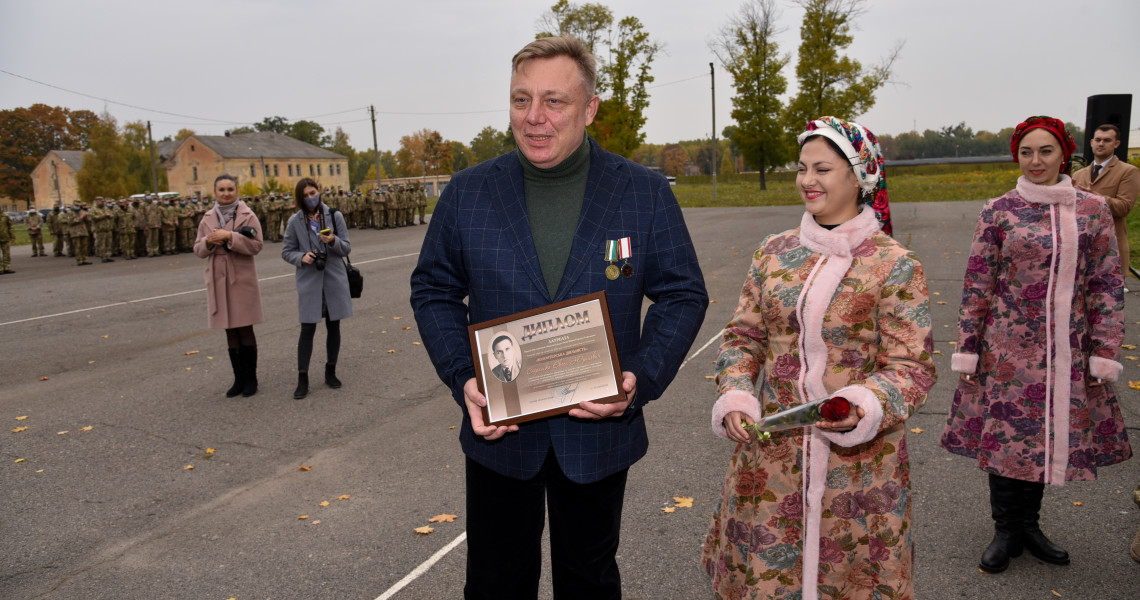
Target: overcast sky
x,y
445,64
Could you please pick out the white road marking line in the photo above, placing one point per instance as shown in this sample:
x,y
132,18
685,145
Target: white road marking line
x,y
702,349
429,563
423,568
197,291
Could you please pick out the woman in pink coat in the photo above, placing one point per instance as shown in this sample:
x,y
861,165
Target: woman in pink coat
x,y
834,307
229,236
1039,334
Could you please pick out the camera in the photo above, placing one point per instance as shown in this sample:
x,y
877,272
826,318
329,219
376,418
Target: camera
x,y
319,259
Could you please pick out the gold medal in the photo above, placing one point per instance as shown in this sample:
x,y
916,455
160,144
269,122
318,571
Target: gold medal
x,y
612,272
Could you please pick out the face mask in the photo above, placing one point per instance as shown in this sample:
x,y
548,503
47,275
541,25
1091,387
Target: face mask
x,y
313,201
75,208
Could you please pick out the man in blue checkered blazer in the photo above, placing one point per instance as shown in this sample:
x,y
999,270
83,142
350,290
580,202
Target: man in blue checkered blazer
x,y
524,230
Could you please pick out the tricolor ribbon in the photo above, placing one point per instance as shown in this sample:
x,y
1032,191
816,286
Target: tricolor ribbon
x,y
618,249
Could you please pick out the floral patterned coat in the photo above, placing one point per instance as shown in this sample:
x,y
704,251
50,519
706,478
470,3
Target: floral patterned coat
x,y
1042,303
811,514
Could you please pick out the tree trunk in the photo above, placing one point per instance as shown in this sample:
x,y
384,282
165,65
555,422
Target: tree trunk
x,y
763,168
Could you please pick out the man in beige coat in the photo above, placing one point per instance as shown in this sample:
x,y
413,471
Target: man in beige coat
x,y
1117,182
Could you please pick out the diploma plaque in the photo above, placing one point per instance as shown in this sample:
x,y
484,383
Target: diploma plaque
x,y
544,361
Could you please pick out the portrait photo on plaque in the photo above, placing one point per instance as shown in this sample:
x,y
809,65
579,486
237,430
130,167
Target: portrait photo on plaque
x,y
544,361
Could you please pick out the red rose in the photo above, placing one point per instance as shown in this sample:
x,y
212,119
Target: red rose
x,y
835,409
751,483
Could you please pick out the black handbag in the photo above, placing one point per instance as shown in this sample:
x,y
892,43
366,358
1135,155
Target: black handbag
x,y
355,279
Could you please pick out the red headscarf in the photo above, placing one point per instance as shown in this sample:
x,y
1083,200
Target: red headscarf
x,y
1053,126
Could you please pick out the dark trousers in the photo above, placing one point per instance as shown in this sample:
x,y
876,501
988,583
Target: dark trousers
x,y
504,534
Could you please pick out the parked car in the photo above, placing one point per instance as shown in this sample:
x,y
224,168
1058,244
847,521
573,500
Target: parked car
x,y
45,212
16,216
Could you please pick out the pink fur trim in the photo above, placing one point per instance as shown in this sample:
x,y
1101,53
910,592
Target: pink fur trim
x,y
841,240
818,299
733,400
818,457
868,426
1103,368
963,362
1062,311
1062,192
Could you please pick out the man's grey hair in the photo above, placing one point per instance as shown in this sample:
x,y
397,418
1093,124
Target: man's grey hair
x,y
570,47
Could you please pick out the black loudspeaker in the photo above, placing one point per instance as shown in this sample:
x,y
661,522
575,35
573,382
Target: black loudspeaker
x,y
1108,108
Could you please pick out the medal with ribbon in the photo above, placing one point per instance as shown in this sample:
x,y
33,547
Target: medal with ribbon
x,y
618,250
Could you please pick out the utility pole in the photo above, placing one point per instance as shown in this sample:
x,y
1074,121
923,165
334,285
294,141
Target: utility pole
x,y
153,170
712,82
375,146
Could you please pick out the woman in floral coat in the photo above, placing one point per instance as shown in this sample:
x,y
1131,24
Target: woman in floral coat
x,y
1039,334
834,307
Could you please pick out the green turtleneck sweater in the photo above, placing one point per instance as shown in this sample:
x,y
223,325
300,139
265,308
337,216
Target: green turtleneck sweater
x,y
554,200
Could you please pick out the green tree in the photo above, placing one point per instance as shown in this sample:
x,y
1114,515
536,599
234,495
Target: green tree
x,y
624,61
460,156
747,49
183,134
831,84
104,171
339,144
274,124
273,186
242,129
489,143
138,158
387,163
308,132
248,188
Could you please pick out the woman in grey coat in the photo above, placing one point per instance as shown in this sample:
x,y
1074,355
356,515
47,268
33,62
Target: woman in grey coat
x,y
316,239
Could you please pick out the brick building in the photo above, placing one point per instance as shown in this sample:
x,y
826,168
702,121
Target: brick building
x,y
57,166
258,157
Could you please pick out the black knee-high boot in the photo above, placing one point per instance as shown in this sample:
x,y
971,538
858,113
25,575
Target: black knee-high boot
x,y
249,361
1005,501
1035,540
239,373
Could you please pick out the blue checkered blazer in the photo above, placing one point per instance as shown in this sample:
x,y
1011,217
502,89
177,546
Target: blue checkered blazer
x,y
478,262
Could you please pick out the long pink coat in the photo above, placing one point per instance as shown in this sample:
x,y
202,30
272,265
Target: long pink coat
x,y
1041,316
811,514
232,293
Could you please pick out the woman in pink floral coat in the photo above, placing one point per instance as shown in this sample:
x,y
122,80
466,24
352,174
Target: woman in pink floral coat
x,y
834,307
1039,334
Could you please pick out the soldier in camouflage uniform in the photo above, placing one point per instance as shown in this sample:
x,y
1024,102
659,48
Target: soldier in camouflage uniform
x,y
141,228
127,230
153,225
7,234
103,224
55,227
379,208
273,212
169,228
77,222
421,202
199,209
35,223
185,227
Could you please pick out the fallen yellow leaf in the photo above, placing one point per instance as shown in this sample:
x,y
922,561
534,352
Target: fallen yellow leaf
x,y
1134,385
209,358
187,368
303,518
710,376
426,529
937,293
162,310
43,378
1056,593
40,471
19,460
442,519
917,430
324,503
397,318
415,343
1128,346
952,343
211,450
941,302
391,352
190,353
1078,503
406,328
90,362
669,509
20,429
22,418
452,427
683,501
938,353
712,301
1132,358
317,522
343,497
64,432
188,468
304,468
106,336
88,428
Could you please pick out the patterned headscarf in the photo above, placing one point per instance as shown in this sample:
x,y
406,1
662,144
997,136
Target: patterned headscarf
x,y
1053,126
861,149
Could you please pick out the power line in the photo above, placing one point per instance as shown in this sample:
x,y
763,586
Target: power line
x,y
702,75
109,101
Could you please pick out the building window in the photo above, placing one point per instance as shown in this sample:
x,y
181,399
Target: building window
x,y
252,171
267,170
310,170
275,172
338,169
298,170
195,173
191,147
318,170
290,170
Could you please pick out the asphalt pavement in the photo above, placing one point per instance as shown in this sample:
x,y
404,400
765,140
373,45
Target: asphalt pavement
x,y
123,389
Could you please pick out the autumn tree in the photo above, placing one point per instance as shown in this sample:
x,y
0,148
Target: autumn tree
x,y
829,83
308,132
460,156
183,134
104,170
339,144
673,159
489,143
747,49
625,56
423,149
137,149
27,134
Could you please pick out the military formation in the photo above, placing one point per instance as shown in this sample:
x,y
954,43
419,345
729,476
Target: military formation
x,y
153,226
